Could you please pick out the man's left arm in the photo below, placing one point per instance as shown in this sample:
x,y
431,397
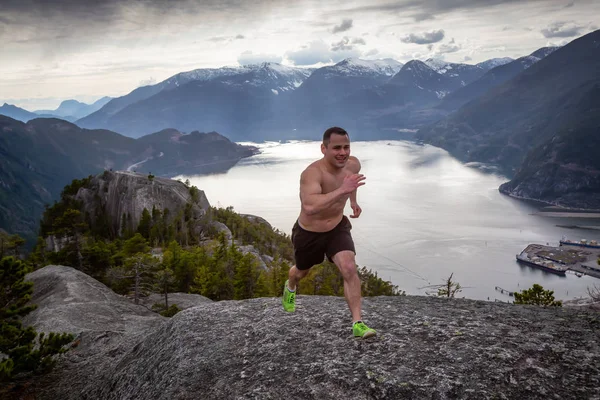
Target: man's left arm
x,y
356,210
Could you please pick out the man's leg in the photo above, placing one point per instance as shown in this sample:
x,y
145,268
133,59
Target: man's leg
x,y
347,266
294,277
289,289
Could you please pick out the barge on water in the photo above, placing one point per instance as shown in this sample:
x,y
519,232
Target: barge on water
x,y
541,263
592,244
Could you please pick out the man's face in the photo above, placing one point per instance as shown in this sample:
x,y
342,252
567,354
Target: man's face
x,y
336,153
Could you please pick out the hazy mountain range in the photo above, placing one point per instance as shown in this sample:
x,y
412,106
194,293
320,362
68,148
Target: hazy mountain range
x,y
40,157
542,127
271,101
69,110
537,117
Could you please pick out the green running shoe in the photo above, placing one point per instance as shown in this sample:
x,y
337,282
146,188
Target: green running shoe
x,y
361,330
289,299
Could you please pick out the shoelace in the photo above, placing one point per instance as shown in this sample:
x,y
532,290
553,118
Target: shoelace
x,y
291,297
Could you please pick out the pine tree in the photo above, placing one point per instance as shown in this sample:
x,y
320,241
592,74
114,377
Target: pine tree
x,y
18,344
145,224
536,295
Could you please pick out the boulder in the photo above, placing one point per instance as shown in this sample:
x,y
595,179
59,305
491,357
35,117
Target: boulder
x,y
183,300
426,348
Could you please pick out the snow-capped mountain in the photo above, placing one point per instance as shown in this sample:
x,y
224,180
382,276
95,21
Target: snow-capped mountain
x,y
494,77
280,78
328,85
355,67
494,62
417,74
274,76
544,51
462,74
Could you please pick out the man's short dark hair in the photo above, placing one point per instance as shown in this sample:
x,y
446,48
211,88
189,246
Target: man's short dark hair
x,y
333,130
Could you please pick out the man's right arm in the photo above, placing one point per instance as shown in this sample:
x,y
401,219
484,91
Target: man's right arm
x,y
311,193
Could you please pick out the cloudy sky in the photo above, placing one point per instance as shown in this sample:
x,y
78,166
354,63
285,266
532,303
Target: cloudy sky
x,y
54,50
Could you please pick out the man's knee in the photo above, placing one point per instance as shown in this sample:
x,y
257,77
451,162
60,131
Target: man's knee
x,y
298,273
346,264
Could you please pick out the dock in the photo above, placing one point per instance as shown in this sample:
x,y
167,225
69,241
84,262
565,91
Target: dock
x,y
580,260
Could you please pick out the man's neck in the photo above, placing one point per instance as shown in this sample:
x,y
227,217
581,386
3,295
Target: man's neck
x,y
332,169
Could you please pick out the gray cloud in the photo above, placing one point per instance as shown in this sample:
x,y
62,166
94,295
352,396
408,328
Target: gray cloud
x,y
425,37
450,47
249,57
312,53
218,39
372,52
225,38
423,16
343,44
318,52
571,4
39,19
433,7
343,27
347,43
562,29
467,58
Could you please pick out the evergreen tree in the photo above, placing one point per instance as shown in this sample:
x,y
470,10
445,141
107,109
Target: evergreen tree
x,y
536,295
21,351
165,281
71,226
245,278
145,224
15,244
134,245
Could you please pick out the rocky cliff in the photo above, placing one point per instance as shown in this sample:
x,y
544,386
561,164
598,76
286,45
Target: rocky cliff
x,y
427,348
128,193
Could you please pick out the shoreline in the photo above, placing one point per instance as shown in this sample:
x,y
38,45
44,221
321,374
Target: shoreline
x,y
569,214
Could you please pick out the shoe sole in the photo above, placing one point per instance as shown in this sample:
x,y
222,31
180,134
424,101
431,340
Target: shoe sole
x,y
367,335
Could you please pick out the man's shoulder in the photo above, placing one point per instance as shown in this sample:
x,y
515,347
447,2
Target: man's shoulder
x,y
313,170
353,164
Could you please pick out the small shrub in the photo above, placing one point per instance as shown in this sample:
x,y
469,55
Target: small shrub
x,y
536,295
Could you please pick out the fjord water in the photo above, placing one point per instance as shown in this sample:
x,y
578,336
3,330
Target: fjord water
x,y
425,216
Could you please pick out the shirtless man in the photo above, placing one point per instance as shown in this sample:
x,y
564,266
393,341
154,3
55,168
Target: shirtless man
x,y
322,229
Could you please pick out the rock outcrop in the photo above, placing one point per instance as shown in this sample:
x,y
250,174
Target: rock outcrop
x,y
426,348
123,192
183,300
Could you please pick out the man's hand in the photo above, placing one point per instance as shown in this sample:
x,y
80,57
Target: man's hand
x,y
352,182
356,210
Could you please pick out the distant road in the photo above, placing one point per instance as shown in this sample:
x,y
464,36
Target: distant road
x,y
132,166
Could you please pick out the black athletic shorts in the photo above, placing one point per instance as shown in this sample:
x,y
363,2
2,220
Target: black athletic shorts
x,y
310,248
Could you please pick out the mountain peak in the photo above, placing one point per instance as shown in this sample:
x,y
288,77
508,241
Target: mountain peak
x,y
359,67
494,62
544,51
416,64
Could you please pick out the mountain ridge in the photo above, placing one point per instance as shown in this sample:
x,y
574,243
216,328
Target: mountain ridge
x,y
31,177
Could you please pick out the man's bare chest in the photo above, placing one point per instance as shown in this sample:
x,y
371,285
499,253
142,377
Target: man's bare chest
x,y
332,182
